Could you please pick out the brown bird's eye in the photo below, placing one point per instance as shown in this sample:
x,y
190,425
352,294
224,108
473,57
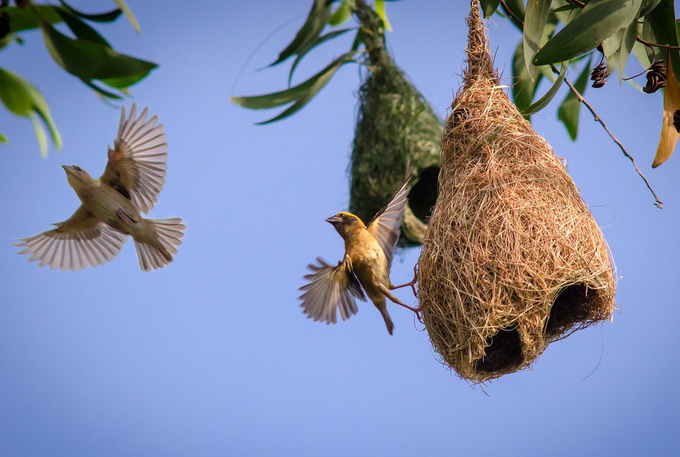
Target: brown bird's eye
x,y
78,168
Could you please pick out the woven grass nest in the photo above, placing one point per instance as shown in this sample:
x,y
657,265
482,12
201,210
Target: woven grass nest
x,y
512,258
395,127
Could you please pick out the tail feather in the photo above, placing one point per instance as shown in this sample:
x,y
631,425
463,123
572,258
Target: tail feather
x,y
156,251
386,316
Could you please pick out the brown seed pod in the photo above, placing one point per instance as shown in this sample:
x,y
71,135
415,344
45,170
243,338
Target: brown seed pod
x,y
512,258
656,77
599,75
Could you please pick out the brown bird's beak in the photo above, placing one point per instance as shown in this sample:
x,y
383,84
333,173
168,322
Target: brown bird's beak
x,y
333,220
68,169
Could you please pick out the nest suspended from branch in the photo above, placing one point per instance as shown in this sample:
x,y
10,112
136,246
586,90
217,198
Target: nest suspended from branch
x,y
395,127
512,258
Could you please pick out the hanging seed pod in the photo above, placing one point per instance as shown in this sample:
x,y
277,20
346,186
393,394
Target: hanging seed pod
x,y
395,127
512,258
656,77
599,75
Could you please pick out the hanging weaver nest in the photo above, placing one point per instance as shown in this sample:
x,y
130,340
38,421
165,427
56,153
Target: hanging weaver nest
x,y
512,258
395,127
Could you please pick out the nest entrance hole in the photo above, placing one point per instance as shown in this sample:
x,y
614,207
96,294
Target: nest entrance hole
x,y
423,194
576,304
503,353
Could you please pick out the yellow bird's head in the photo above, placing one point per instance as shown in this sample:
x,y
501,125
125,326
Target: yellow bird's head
x,y
344,222
77,177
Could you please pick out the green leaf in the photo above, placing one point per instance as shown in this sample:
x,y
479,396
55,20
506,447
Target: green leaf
x,y
104,94
659,27
543,101
570,108
3,139
640,52
612,44
311,45
27,18
534,23
380,9
316,21
88,60
489,7
612,48
343,13
300,94
128,13
648,6
23,99
524,87
121,83
14,93
109,16
565,12
629,36
40,135
599,20
565,8
81,29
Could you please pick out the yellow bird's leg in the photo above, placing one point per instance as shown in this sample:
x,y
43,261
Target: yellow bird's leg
x,y
394,299
412,283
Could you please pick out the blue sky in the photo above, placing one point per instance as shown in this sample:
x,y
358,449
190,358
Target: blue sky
x,y
212,355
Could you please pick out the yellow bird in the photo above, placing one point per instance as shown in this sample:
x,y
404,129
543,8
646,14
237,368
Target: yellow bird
x,y
111,206
365,266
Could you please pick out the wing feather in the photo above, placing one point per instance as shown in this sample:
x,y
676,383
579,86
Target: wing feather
x,y
137,163
386,225
331,289
80,241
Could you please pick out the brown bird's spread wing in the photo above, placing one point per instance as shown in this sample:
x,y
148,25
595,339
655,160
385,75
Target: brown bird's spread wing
x,y
78,242
331,288
386,225
136,166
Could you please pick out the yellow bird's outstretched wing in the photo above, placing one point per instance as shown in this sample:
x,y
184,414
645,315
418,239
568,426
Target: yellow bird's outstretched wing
x,y
137,162
330,289
386,225
79,242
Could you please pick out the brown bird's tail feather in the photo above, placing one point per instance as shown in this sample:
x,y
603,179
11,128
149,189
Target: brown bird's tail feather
x,y
156,248
388,320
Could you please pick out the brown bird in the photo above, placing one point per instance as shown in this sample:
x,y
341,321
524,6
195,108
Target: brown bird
x,y
111,206
364,268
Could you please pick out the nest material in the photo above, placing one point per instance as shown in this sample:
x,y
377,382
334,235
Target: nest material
x,y
395,127
512,258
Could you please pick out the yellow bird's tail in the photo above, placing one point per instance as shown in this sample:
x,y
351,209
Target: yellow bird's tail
x,y
158,243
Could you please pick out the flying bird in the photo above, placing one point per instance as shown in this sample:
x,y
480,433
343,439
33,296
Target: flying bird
x,y
364,269
111,206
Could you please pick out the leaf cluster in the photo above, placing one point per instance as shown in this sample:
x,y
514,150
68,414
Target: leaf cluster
x,y
583,34
86,55
323,15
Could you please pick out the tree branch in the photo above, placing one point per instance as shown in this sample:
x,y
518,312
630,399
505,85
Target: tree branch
x,y
658,203
658,45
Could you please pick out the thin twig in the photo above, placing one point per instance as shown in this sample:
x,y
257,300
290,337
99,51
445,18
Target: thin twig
x,y
577,3
658,45
658,203
512,15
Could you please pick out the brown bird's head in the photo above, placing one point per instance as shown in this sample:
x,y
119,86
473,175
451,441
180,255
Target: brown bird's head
x,y
77,177
344,222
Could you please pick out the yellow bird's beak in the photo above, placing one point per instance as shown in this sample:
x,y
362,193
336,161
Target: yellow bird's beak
x,y
333,220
